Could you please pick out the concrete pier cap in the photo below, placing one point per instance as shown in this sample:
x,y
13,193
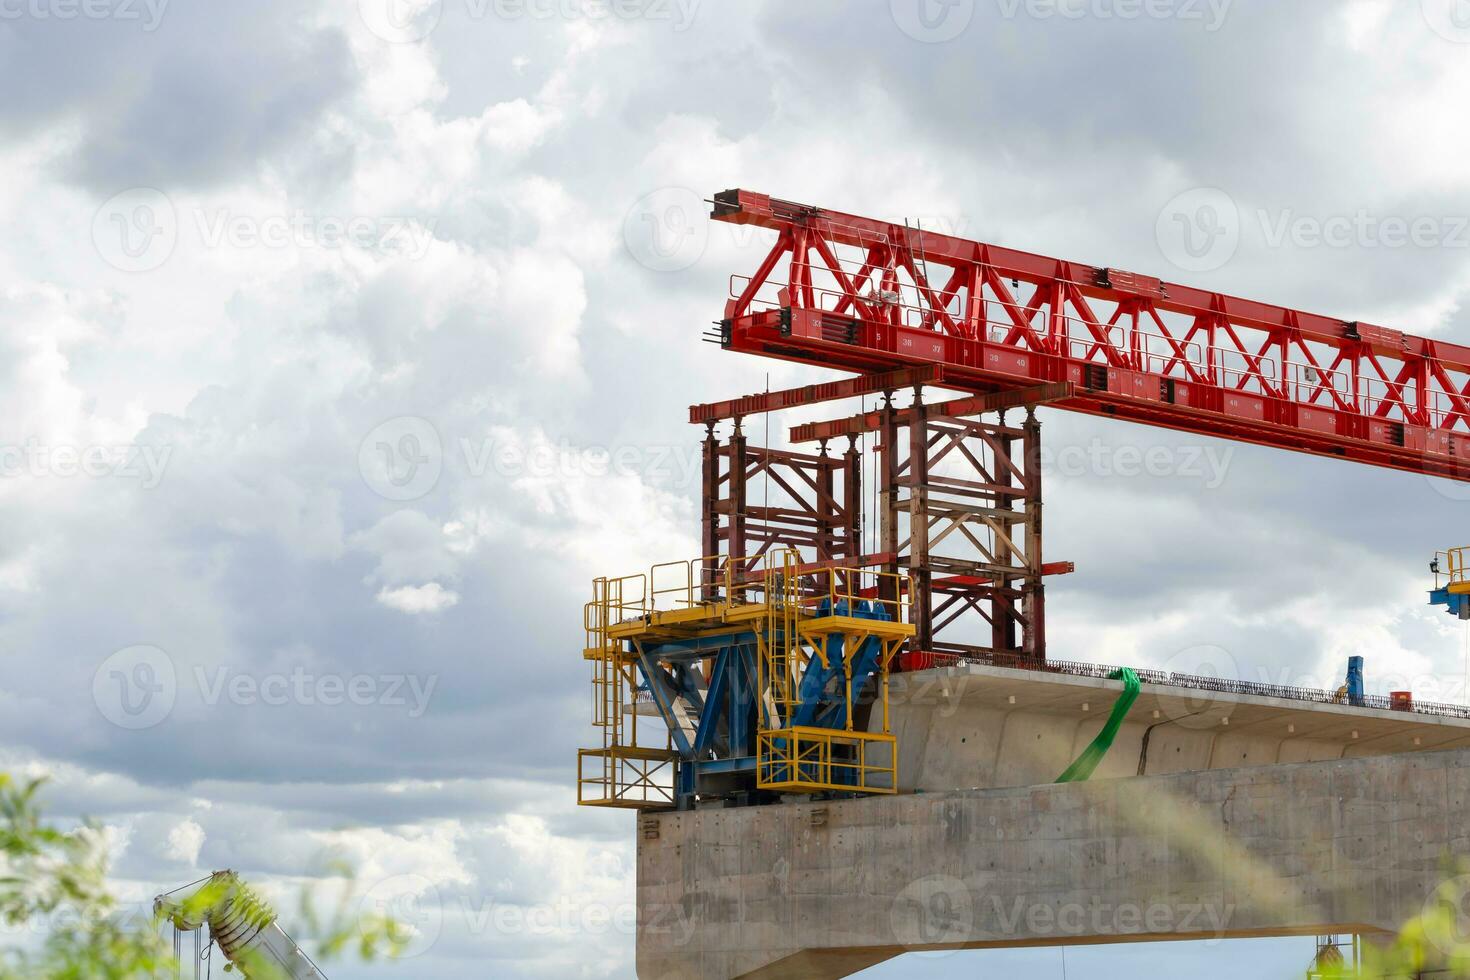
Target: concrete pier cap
x,y
1290,819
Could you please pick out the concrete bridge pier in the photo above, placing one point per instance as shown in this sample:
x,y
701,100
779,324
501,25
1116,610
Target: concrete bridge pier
x,y
824,890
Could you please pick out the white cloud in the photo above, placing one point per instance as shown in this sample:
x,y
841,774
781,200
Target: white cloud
x,y
429,598
526,326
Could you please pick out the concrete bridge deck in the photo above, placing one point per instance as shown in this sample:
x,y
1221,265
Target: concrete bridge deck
x,y
975,726
1352,838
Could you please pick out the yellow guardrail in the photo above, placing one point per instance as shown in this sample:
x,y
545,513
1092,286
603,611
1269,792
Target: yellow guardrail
x,y
809,760
888,591
788,603
1453,566
631,777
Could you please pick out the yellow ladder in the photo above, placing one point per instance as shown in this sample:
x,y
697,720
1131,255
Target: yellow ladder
x,y
780,640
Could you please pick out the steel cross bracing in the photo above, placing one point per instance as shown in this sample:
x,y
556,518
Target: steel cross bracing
x,y
864,295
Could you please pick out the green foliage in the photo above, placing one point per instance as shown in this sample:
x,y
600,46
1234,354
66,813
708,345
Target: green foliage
x,y
1434,940
58,877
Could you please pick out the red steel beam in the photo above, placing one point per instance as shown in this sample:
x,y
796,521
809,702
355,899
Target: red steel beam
x,y
757,576
864,295
771,401
958,408
958,582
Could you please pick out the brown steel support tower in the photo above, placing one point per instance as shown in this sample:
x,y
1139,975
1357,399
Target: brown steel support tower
x,y
961,510
958,507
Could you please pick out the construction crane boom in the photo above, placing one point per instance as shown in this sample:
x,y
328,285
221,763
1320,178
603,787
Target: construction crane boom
x,y
242,925
867,296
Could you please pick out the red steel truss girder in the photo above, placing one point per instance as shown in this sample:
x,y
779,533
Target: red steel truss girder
x,y
870,296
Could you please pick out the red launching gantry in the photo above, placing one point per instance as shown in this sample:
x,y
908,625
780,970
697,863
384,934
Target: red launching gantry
x,y
909,536
849,292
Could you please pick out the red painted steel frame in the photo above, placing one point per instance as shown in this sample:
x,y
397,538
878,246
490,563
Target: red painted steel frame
x,y
865,295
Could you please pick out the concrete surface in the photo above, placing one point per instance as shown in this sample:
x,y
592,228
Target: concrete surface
x,y
818,890
973,727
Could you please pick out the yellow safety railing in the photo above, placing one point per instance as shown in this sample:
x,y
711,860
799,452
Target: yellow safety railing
x,y
615,600
846,587
625,777
791,607
808,760
1452,569
694,582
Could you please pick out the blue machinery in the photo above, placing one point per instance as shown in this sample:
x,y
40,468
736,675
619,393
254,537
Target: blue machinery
x,y
756,682
1451,584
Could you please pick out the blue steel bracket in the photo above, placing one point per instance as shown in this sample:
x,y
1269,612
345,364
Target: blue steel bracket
x,y
1456,604
662,689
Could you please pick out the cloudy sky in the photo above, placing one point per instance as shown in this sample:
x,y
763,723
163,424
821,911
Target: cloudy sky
x,y
320,321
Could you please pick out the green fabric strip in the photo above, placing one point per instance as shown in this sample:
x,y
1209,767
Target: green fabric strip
x,y
1087,762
